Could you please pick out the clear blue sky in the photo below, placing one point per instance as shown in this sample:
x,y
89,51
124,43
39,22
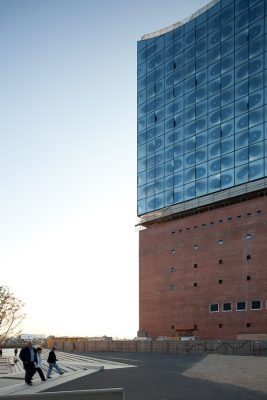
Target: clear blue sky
x,y
68,245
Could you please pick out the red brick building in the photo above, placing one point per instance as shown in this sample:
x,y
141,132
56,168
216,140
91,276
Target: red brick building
x,y
205,274
202,174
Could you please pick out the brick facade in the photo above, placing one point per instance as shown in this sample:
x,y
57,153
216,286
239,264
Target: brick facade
x,y
214,257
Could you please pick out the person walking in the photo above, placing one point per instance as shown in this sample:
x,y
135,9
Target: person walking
x,y
39,364
52,361
29,358
16,352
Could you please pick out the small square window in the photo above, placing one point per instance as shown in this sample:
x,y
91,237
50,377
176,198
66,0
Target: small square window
x,y
195,246
248,278
220,261
239,217
220,241
220,221
180,230
195,284
227,307
220,325
248,324
241,306
195,326
259,212
173,327
203,226
173,287
214,307
195,227
195,265
212,222
220,281
248,236
188,229
173,233
248,215
229,219
173,252
173,269
255,305
248,257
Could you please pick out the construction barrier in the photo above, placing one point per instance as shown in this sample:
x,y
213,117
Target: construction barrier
x,y
231,347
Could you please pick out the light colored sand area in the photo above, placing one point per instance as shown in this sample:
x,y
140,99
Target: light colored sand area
x,y
246,371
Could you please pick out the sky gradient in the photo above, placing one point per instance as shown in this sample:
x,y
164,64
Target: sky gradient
x,y
68,243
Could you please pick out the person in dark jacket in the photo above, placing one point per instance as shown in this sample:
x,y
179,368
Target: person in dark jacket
x,y
29,358
52,361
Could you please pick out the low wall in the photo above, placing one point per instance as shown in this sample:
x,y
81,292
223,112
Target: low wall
x,y
233,347
97,394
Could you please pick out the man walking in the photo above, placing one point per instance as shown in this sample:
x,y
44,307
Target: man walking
x,y
28,357
52,361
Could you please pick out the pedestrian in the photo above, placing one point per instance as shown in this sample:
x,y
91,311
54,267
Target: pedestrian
x,y
1,352
16,352
52,361
39,364
29,357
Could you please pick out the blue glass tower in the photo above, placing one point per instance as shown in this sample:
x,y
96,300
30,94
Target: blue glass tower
x,y
202,109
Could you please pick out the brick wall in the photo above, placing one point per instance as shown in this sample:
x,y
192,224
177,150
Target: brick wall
x,y
190,263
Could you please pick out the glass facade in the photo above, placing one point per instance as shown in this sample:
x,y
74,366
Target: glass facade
x,y
202,91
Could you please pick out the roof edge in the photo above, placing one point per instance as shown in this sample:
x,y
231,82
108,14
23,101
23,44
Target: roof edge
x,y
179,23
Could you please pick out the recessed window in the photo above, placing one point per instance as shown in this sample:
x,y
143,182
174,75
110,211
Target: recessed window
x,y
248,236
173,269
248,257
220,325
248,278
220,221
212,222
227,307
214,307
220,281
188,229
195,326
173,233
259,212
248,324
173,287
172,327
220,241
255,305
239,217
180,230
220,261
195,227
173,252
195,246
195,284
241,306
195,265
229,219
203,226
248,215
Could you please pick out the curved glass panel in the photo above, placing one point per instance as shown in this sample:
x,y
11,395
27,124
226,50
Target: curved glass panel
x,y
214,183
241,174
256,170
201,105
227,179
201,171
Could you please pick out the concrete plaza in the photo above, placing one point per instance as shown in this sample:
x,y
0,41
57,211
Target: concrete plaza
x,y
154,376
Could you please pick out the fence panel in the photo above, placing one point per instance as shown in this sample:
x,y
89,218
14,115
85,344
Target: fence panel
x,y
231,347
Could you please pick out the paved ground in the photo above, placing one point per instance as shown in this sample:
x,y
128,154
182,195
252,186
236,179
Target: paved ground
x,y
179,377
73,365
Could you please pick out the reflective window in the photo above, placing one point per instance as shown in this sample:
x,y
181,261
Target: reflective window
x,y
201,91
